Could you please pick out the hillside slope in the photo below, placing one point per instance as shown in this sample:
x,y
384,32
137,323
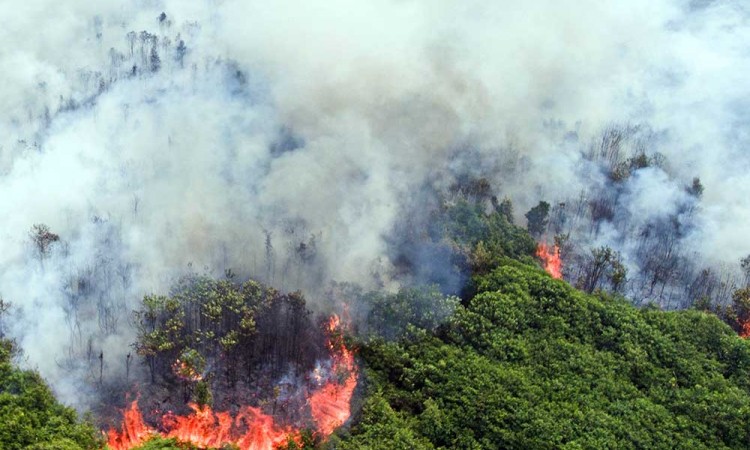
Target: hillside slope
x,y
31,418
530,362
524,361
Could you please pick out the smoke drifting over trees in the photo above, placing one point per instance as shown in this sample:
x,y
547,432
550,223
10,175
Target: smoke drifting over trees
x,y
290,142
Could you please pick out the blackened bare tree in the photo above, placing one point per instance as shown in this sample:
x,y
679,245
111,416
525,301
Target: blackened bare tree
x,y
43,240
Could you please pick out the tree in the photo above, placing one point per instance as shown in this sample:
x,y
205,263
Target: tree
x,y
603,263
43,239
506,209
180,52
696,189
741,311
745,265
538,218
203,395
154,60
390,316
4,308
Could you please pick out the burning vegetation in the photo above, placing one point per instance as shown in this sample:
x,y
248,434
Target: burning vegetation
x,y
327,400
230,364
550,257
473,325
238,364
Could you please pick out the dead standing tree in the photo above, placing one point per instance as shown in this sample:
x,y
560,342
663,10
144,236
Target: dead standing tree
x,y
42,239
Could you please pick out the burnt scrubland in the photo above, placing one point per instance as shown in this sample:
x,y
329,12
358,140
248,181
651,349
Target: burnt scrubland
x,y
522,361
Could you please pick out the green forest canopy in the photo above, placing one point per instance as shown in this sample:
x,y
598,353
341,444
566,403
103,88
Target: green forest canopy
x,y
31,418
525,361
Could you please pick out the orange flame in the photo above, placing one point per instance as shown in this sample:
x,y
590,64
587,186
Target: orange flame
x,y
185,371
745,331
550,257
330,406
134,430
204,428
251,429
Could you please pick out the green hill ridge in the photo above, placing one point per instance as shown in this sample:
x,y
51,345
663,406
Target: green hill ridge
x,y
524,361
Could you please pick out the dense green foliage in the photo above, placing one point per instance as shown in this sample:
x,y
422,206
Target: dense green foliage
x,y
487,237
524,361
532,363
31,418
379,314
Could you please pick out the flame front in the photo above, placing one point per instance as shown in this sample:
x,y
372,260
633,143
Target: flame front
x,y
134,430
204,428
251,428
550,257
330,406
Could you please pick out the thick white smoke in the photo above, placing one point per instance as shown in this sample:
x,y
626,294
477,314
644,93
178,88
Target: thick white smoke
x,y
223,134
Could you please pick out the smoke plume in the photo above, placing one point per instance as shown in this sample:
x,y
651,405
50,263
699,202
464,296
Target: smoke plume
x,y
286,140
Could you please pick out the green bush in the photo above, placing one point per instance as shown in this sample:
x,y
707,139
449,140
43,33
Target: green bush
x,y
31,418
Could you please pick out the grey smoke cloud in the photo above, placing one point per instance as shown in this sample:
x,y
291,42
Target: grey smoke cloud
x,y
318,120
